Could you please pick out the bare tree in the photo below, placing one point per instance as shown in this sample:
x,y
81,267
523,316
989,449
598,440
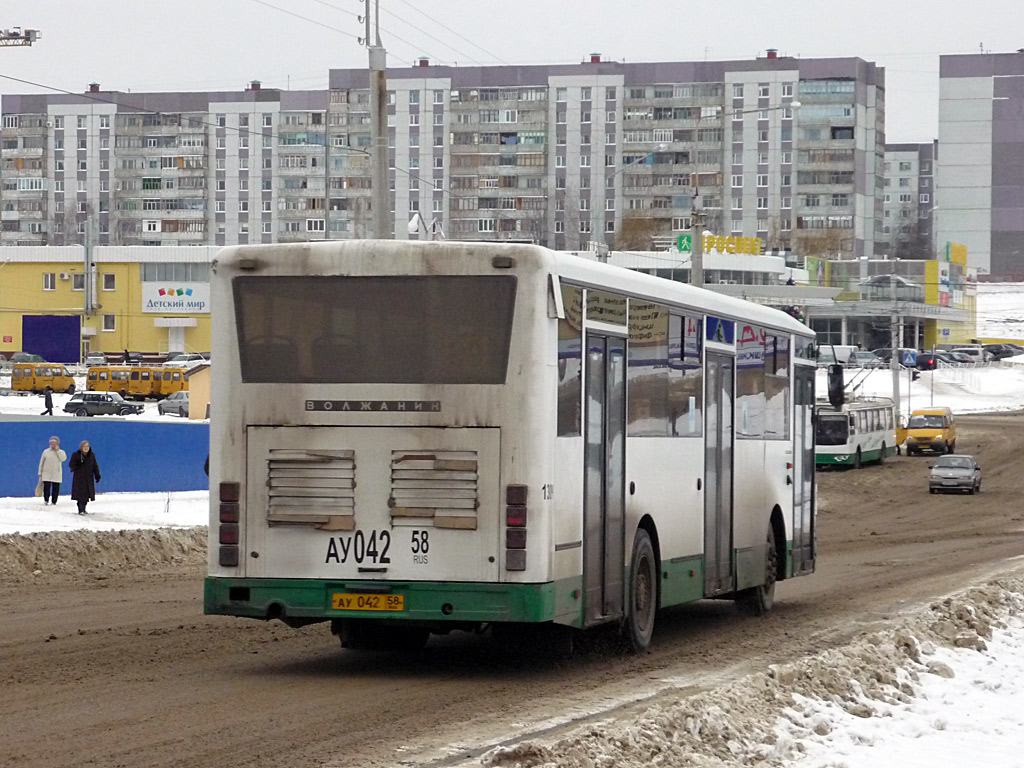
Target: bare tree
x,y
637,232
910,242
834,243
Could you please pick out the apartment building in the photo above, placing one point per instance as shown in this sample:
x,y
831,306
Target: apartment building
x,y
981,177
908,202
570,156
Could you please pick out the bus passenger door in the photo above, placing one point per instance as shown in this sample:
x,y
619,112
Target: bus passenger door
x,y
718,466
604,470
803,470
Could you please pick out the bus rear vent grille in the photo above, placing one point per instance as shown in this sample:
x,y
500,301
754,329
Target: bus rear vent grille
x,y
312,487
434,487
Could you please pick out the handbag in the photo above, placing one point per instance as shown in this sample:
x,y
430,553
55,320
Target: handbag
x,y
39,488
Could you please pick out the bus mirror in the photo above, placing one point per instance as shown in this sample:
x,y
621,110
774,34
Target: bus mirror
x,y
836,396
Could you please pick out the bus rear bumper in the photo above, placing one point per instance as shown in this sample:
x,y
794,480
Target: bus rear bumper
x,y
303,601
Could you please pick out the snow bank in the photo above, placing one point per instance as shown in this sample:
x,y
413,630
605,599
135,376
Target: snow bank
x,y
801,713
58,555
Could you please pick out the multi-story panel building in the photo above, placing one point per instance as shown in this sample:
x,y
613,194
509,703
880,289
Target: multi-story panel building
x,y
981,175
788,150
909,201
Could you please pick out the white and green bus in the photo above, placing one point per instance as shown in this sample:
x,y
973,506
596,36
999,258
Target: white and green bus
x,y
861,430
414,438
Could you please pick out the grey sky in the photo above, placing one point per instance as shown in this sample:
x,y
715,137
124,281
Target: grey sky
x,y
223,44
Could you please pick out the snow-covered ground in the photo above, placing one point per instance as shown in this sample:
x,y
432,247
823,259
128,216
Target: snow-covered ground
x,y
1000,311
989,388
109,512
27,404
941,688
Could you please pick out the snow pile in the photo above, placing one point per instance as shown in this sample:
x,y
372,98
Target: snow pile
x,y
73,554
801,713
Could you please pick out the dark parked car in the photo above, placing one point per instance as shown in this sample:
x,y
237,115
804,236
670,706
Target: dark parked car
x,y
955,472
100,403
134,358
999,351
176,402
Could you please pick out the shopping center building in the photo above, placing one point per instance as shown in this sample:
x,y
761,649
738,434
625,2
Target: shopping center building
x,y
64,301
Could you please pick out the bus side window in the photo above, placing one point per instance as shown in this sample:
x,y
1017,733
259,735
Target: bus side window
x,y
570,367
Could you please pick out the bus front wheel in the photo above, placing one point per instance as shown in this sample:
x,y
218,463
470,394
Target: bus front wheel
x,y
643,593
759,600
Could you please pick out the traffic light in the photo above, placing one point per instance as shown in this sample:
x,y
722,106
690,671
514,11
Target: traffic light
x,y
915,375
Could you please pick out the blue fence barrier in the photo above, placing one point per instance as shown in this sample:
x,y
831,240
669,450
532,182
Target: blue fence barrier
x,y
134,456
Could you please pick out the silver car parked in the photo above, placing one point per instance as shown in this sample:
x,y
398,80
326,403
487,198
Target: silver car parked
x,y
176,402
955,472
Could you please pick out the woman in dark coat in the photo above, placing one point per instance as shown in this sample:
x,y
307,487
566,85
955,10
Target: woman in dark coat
x,y
85,474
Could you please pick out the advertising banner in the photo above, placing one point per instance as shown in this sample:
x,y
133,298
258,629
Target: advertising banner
x,y
172,298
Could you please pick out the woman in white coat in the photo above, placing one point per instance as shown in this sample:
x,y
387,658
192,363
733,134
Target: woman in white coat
x,y
51,470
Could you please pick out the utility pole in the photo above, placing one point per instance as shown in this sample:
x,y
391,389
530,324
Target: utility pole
x,y
14,36
894,362
382,229
697,254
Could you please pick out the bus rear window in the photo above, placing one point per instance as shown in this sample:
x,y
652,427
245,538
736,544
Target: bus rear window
x,y
451,329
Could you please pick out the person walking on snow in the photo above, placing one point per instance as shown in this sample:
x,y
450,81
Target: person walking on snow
x,y
85,474
47,401
51,470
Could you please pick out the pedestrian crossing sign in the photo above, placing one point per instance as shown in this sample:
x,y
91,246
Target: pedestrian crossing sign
x,y
685,243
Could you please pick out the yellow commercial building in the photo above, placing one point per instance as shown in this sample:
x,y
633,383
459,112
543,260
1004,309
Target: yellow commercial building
x,y
62,301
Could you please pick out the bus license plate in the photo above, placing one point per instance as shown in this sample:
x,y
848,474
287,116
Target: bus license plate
x,y
347,601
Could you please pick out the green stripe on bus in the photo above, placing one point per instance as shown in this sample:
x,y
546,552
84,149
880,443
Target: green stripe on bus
x,y
311,599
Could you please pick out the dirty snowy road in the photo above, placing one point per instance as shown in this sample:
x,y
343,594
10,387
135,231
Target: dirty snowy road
x,y
112,663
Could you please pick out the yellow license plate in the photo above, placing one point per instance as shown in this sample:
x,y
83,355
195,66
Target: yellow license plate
x,y
348,601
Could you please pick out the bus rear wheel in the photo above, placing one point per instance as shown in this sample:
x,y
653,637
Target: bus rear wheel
x,y
881,456
643,593
758,601
856,460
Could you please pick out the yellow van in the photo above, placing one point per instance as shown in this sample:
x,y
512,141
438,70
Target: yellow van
x,y
140,382
931,429
35,377
170,380
108,378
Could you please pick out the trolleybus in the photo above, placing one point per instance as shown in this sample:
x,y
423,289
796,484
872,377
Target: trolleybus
x,y
415,438
861,430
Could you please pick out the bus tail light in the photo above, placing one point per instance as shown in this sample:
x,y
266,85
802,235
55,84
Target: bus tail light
x,y
515,527
228,533
515,516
